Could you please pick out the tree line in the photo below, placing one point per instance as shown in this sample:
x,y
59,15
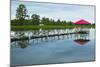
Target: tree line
x,y
23,19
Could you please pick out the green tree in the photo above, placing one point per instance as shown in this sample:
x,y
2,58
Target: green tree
x,y
21,12
64,22
70,23
58,22
51,22
35,19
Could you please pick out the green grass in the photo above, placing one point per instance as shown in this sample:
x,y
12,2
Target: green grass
x,y
35,27
24,27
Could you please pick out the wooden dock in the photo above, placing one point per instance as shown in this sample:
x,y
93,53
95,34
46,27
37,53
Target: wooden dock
x,y
45,36
41,36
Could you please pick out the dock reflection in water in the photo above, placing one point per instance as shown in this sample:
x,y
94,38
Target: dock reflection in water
x,y
52,46
82,36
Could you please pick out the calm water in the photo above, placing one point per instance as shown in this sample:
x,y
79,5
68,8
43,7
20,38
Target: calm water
x,y
67,48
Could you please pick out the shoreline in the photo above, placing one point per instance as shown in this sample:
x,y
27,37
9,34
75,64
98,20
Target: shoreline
x,y
34,27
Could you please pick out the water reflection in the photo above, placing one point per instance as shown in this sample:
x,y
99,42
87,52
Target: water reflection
x,y
23,43
82,36
23,38
52,46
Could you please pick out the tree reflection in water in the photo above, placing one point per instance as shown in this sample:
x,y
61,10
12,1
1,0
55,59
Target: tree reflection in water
x,y
23,43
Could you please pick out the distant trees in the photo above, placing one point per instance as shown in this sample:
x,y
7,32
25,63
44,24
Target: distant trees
x,y
23,19
45,21
70,23
35,19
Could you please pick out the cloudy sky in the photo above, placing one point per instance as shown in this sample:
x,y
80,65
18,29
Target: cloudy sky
x,y
66,12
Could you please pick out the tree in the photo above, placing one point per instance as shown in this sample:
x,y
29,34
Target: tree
x,y
52,22
35,19
64,22
58,22
21,12
70,23
45,21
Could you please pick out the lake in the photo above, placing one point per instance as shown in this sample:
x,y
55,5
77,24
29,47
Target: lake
x,y
78,45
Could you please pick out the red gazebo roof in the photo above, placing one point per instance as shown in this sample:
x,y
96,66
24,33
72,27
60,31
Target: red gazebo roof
x,y
82,22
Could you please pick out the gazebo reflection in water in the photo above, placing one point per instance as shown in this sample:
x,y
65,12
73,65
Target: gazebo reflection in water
x,y
82,36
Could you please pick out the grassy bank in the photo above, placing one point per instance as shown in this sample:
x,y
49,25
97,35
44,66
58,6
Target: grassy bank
x,y
47,27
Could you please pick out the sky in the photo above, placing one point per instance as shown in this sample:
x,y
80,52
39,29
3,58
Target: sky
x,y
67,12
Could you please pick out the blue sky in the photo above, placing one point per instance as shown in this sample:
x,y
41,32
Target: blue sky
x,y
57,11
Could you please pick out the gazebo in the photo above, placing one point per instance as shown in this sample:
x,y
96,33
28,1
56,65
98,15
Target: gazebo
x,y
82,22
81,29
81,34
